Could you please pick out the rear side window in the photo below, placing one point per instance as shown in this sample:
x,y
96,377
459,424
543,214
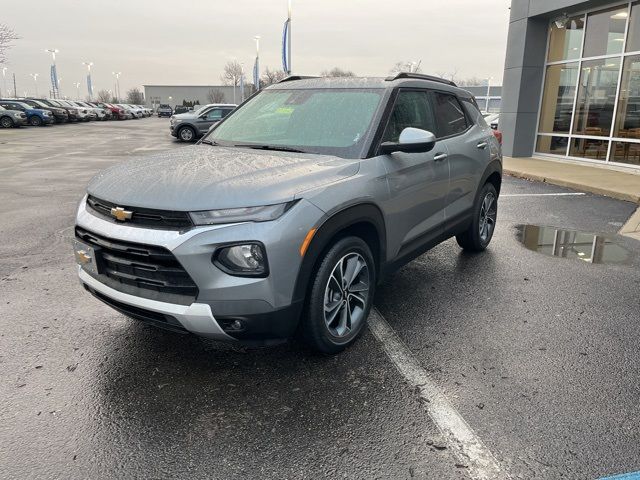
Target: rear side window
x,y
450,116
412,109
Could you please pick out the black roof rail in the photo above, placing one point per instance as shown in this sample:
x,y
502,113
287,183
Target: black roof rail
x,y
420,76
290,78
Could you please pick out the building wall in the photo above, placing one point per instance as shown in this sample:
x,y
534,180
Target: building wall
x,y
524,68
160,94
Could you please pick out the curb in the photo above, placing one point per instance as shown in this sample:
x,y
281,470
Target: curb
x,y
635,198
632,227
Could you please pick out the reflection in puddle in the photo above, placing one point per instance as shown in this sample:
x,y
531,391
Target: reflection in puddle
x,y
587,247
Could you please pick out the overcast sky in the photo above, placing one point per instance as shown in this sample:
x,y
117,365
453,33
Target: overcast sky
x,y
189,41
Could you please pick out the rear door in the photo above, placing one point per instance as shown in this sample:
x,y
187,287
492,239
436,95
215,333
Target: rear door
x,y
468,147
418,182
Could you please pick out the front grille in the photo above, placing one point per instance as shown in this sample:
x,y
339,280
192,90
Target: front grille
x,y
144,217
146,271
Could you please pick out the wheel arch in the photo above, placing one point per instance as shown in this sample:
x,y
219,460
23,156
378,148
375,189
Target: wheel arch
x,y
493,175
363,220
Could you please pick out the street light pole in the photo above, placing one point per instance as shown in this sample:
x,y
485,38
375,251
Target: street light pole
x,y
117,75
55,85
35,81
89,85
4,80
256,68
488,93
77,85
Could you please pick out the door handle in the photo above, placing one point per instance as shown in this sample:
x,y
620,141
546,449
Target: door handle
x,y
440,156
482,145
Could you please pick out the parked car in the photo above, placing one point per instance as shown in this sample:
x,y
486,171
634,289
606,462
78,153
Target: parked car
x,y
164,110
12,118
35,116
180,109
83,114
146,110
135,111
60,115
291,211
71,111
94,112
103,113
492,120
128,109
116,113
192,125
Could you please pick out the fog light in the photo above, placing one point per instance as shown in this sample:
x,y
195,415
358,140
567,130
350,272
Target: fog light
x,y
244,260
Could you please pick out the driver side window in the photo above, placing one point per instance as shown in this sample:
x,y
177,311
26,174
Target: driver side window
x,y
412,109
215,114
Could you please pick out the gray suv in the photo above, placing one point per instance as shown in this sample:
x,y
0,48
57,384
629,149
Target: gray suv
x,y
190,126
286,216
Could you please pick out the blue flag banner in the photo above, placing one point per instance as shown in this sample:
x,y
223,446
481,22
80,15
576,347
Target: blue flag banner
x,y
285,45
89,86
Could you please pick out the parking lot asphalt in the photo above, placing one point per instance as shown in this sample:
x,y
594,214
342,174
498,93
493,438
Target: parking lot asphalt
x,y
539,355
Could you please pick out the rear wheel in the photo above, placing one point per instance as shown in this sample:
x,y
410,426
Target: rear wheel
x,y
485,214
186,134
6,122
35,121
340,296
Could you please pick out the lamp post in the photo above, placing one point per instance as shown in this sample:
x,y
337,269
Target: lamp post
x,y
59,87
35,81
89,85
55,86
117,75
4,80
77,85
488,94
256,67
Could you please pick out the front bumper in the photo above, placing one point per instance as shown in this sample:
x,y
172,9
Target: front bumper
x,y
263,308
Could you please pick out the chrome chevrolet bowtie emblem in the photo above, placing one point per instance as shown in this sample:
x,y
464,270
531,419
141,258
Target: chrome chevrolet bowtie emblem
x,y
121,214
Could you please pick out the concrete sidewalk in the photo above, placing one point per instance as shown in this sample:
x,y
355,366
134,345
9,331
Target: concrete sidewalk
x,y
586,178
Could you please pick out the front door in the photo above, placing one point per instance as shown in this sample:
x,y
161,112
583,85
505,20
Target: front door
x,y
207,119
418,182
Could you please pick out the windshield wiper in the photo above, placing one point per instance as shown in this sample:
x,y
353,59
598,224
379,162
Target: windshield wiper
x,y
210,142
278,148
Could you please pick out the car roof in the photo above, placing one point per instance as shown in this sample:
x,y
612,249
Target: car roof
x,y
409,81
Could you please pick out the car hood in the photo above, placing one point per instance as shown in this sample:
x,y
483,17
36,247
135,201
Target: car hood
x,y
185,116
204,177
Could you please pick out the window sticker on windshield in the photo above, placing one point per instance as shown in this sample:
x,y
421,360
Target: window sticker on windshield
x,y
287,110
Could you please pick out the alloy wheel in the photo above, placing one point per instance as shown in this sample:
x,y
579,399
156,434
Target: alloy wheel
x,y
347,295
186,134
488,215
6,123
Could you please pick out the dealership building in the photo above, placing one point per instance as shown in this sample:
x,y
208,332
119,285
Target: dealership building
x,y
194,94
571,87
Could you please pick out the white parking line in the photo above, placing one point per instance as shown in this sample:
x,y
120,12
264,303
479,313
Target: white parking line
x,y
468,448
562,194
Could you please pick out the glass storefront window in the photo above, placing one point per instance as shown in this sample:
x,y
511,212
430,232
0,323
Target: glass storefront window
x,y
626,152
628,113
565,41
553,145
557,100
605,32
589,148
633,38
596,97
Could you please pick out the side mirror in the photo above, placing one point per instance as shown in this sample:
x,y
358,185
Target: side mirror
x,y
412,140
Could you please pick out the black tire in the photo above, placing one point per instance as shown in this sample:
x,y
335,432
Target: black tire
x,y
317,330
6,122
186,134
35,121
475,239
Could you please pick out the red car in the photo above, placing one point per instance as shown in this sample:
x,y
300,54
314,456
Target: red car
x,y
116,112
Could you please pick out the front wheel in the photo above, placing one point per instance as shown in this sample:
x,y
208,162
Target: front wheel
x,y
485,214
35,121
340,296
186,134
6,122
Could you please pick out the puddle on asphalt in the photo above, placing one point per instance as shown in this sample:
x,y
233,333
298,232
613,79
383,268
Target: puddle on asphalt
x,y
588,247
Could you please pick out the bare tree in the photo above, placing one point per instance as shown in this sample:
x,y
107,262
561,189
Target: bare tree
x,y
7,35
413,67
471,82
448,76
232,73
135,97
215,95
103,96
337,72
270,77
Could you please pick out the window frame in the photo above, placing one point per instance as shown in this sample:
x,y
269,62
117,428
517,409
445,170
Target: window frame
x,y
469,121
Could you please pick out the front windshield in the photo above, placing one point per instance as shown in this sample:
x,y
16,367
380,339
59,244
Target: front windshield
x,y
24,105
54,103
201,110
326,121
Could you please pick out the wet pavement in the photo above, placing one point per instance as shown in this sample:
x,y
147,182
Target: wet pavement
x,y
539,354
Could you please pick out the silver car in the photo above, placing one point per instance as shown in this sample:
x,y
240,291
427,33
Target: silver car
x,y
286,216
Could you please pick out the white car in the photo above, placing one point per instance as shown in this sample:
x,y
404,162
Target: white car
x,y
82,113
492,120
138,111
135,112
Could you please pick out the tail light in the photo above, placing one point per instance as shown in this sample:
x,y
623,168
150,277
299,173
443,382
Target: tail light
x,y
498,135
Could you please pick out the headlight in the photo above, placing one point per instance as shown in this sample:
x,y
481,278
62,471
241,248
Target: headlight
x,y
245,260
234,215
17,115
